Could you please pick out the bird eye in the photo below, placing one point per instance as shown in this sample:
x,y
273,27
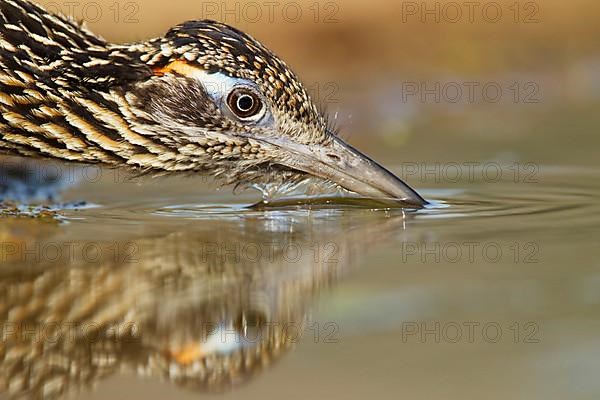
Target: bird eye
x,y
244,103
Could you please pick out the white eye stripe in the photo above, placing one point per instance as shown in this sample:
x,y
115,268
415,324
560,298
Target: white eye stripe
x,y
217,85
220,86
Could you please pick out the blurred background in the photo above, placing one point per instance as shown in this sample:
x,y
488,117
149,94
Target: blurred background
x,y
417,80
415,84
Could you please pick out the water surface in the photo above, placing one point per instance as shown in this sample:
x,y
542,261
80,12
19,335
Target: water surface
x,y
146,289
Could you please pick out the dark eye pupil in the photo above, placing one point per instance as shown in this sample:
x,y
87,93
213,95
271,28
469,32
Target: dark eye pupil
x,y
245,103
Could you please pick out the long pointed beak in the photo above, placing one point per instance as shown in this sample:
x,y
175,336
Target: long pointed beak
x,y
351,169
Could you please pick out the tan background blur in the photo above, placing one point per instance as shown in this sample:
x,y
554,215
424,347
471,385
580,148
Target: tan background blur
x,y
364,59
361,58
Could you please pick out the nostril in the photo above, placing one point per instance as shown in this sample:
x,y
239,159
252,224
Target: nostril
x,y
334,157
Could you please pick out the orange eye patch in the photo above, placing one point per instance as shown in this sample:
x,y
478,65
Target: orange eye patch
x,y
178,66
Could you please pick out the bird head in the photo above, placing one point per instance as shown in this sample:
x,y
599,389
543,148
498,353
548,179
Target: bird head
x,y
226,104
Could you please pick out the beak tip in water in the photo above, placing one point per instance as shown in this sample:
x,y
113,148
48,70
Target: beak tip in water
x,y
344,165
365,176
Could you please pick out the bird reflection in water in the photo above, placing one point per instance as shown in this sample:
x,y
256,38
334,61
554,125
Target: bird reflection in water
x,y
205,306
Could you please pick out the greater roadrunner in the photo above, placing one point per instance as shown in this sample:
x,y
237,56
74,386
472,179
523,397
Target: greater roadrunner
x,y
205,98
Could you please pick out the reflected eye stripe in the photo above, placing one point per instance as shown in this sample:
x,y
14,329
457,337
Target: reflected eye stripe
x,y
187,354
